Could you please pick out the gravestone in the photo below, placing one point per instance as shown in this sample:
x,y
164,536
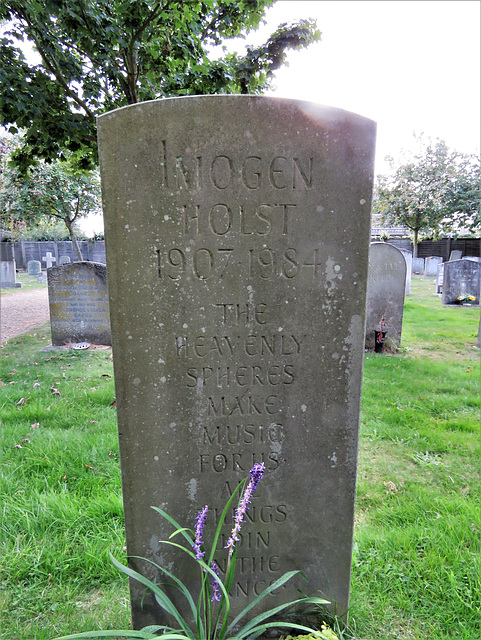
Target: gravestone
x,y
456,254
461,277
408,256
440,278
42,277
418,265
385,292
78,300
63,260
431,265
237,235
34,267
49,259
8,273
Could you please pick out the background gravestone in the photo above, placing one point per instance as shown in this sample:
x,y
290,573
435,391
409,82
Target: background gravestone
x,y
456,254
64,260
440,278
79,307
461,277
8,273
237,235
385,292
408,256
34,267
418,265
431,265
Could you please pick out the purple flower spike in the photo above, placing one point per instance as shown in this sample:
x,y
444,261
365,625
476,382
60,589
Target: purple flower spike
x,y
199,528
215,587
256,474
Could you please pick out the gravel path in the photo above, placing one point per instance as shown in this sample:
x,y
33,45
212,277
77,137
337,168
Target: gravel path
x,y
22,311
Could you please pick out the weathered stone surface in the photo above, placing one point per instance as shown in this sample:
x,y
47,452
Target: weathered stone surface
x,y
455,255
8,272
78,300
8,275
440,278
431,265
385,292
418,265
64,260
237,235
408,256
34,267
7,253
461,277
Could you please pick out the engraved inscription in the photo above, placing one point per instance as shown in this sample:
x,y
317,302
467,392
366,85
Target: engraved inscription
x,y
221,172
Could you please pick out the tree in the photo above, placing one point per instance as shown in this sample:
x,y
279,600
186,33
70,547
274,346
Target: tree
x,y
47,191
435,191
97,55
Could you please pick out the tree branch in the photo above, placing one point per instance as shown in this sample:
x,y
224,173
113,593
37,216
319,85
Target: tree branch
x,y
53,67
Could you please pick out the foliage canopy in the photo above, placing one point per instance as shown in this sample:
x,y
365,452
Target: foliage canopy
x,y
96,55
436,191
47,192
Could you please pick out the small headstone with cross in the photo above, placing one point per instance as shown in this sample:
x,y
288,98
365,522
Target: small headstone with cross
x,y
49,259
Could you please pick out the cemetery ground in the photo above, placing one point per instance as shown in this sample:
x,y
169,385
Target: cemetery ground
x,y
417,541
23,308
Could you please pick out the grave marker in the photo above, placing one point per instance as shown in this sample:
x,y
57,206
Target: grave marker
x,y
440,278
461,277
408,256
49,259
431,265
418,265
8,272
34,267
78,299
385,292
238,234
456,254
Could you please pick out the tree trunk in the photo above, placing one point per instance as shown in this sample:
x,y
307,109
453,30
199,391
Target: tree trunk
x,y
73,238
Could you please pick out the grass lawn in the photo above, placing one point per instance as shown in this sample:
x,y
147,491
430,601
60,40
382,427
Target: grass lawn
x,y
417,554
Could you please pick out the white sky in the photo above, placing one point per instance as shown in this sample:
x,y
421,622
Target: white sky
x,y
411,65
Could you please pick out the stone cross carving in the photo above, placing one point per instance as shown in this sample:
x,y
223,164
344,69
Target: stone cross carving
x,y
49,259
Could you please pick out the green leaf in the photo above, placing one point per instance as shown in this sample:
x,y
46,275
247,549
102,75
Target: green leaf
x,y
160,596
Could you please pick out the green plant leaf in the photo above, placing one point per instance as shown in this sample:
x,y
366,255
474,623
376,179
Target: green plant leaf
x,y
179,529
275,585
161,597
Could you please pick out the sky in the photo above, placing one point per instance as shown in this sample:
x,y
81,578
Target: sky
x,y
411,66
